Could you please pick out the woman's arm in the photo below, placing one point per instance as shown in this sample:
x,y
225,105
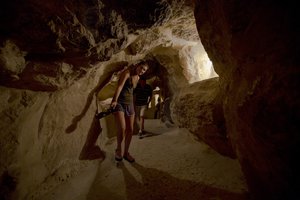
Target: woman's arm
x,y
123,77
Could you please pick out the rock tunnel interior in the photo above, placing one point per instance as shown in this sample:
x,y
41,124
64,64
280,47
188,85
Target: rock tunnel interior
x,y
58,65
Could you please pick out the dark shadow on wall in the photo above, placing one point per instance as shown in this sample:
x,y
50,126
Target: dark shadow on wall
x,y
8,185
160,185
101,83
90,150
72,127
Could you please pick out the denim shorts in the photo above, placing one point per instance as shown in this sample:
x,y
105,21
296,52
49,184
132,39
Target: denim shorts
x,y
128,109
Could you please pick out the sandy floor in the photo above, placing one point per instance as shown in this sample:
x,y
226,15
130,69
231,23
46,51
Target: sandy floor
x,y
169,165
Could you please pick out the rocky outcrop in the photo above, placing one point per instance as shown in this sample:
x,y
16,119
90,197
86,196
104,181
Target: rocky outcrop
x,y
198,108
49,46
44,136
254,49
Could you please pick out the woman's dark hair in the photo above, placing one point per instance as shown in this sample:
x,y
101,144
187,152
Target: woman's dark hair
x,y
143,62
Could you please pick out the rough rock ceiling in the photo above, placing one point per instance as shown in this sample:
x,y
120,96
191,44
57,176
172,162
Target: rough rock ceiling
x,y
49,45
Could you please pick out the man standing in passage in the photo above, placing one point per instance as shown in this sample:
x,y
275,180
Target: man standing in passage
x,y
143,95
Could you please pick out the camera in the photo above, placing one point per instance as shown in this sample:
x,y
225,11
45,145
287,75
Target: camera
x,y
104,113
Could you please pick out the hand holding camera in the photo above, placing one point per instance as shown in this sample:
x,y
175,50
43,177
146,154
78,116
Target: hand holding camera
x,y
104,113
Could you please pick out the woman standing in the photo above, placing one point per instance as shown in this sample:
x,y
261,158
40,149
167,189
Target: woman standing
x,y
122,103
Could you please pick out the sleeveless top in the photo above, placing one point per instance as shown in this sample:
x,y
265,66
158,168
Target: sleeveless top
x,y
126,94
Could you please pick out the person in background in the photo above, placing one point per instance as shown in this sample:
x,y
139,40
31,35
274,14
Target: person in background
x,y
142,98
122,103
157,112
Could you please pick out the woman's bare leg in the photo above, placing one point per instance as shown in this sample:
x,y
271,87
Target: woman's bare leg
x,y
129,131
138,119
121,124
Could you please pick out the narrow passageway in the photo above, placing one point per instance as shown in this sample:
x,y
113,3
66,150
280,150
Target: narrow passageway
x,y
170,164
